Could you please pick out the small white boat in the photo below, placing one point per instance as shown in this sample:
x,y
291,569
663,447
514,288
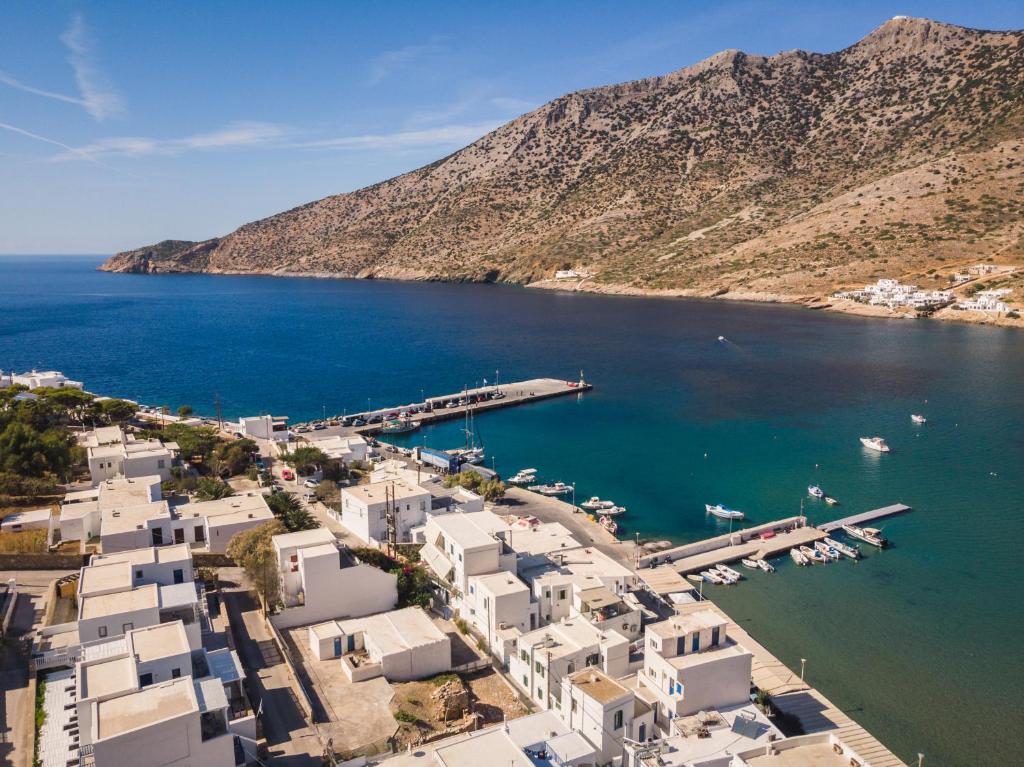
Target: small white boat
x,y
847,551
875,443
798,557
558,488
712,576
816,491
917,418
827,551
751,564
614,511
721,512
765,565
596,504
729,572
867,534
813,556
609,524
521,478
831,501
726,578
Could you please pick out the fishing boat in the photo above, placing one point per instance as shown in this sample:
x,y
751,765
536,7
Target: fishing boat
x,y
523,477
847,551
712,576
750,564
721,512
558,488
831,501
765,565
399,426
828,551
608,524
917,418
798,557
867,534
614,511
816,491
875,443
596,504
729,572
813,556
726,577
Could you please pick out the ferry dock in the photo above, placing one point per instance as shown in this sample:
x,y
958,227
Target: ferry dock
x,y
867,516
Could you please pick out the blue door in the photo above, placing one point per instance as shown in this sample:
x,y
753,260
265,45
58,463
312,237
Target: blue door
x,y
337,646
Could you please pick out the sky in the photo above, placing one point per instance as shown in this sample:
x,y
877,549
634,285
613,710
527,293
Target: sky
x,y
125,123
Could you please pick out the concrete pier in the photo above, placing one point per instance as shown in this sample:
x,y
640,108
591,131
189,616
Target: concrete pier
x,y
867,516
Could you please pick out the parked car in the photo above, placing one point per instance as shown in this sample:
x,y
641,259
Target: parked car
x,y
311,483
288,474
359,422
309,497
320,427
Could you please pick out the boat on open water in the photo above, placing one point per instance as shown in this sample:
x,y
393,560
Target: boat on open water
x,y
870,535
722,512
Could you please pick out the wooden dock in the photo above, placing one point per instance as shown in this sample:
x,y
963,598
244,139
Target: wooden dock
x,y
778,545
866,516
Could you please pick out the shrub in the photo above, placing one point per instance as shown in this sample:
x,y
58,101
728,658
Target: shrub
x,y
404,716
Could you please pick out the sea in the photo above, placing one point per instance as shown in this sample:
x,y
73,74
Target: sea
x,y
694,402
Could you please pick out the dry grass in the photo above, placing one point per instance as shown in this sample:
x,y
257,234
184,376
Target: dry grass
x,y
25,542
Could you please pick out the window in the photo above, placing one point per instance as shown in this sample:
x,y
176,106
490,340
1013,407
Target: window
x,y
138,574
571,669
523,656
102,631
526,682
617,720
561,594
145,680
460,556
160,463
126,627
200,535
487,602
714,636
573,706
538,668
695,645
175,673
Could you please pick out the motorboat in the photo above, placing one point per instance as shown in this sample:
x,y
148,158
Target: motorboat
x,y
765,565
867,534
831,501
399,426
712,576
816,491
750,564
798,557
726,570
875,443
726,577
721,512
847,551
828,551
614,511
522,478
917,418
596,504
608,524
558,488
813,556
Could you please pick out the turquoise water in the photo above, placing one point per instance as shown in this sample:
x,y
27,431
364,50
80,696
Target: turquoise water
x,y
919,643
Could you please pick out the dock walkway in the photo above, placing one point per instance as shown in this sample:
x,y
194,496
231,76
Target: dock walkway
x,y
866,516
780,544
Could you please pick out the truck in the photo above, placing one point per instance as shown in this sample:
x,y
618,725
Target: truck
x,y
439,459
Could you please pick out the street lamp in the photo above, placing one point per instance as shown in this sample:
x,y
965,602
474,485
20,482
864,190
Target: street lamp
x,y
920,760
803,664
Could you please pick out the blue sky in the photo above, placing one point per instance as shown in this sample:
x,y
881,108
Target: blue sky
x,y
123,123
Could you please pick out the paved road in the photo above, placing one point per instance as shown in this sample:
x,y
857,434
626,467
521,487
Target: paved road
x,y
16,706
290,740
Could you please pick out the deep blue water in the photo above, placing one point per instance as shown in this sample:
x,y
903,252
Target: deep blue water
x,y
920,643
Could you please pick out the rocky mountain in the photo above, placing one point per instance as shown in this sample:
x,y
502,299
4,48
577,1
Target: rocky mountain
x,y
777,177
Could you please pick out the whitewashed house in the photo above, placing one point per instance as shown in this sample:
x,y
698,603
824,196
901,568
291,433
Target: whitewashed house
x,y
364,510
604,712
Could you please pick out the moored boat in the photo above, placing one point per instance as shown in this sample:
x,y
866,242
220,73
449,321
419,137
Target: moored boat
x,y
831,501
765,565
816,491
918,418
558,488
614,511
751,564
712,576
867,534
813,556
609,524
523,477
828,551
729,572
798,557
875,443
722,512
596,504
399,426
847,551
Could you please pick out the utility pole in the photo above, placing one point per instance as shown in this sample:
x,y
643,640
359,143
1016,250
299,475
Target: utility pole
x,y
803,663
389,514
216,403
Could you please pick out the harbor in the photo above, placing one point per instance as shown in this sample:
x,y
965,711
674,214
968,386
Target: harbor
x,y
867,516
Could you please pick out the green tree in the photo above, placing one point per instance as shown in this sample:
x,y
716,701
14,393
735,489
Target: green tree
x,y
234,457
28,452
253,551
286,507
77,404
184,411
194,441
117,411
212,489
490,489
305,459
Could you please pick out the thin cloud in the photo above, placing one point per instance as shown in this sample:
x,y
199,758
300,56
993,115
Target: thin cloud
x,y
70,150
389,62
8,79
442,136
234,136
97,94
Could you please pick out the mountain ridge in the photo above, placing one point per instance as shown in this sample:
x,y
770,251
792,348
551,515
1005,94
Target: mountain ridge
x,y
732,176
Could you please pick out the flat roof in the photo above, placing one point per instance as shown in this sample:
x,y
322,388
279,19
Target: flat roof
x,y
684,623
119,492
375,491
599,686
149,705
177,552
105,577
25,517
542,539
128,518
396,630
228,510
566,636
178,595
102,605
107,678
599,596
501,583
463,530
315,537
727,650
664,580
161,641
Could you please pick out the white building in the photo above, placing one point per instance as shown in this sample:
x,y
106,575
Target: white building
x,y
273,427
364,510
894,295
81,511
400,645
498,606
164,565
987,301
542,657
515,743
343,449
36,379
321,580
691,665
461,545
604,712
37,519
111,453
